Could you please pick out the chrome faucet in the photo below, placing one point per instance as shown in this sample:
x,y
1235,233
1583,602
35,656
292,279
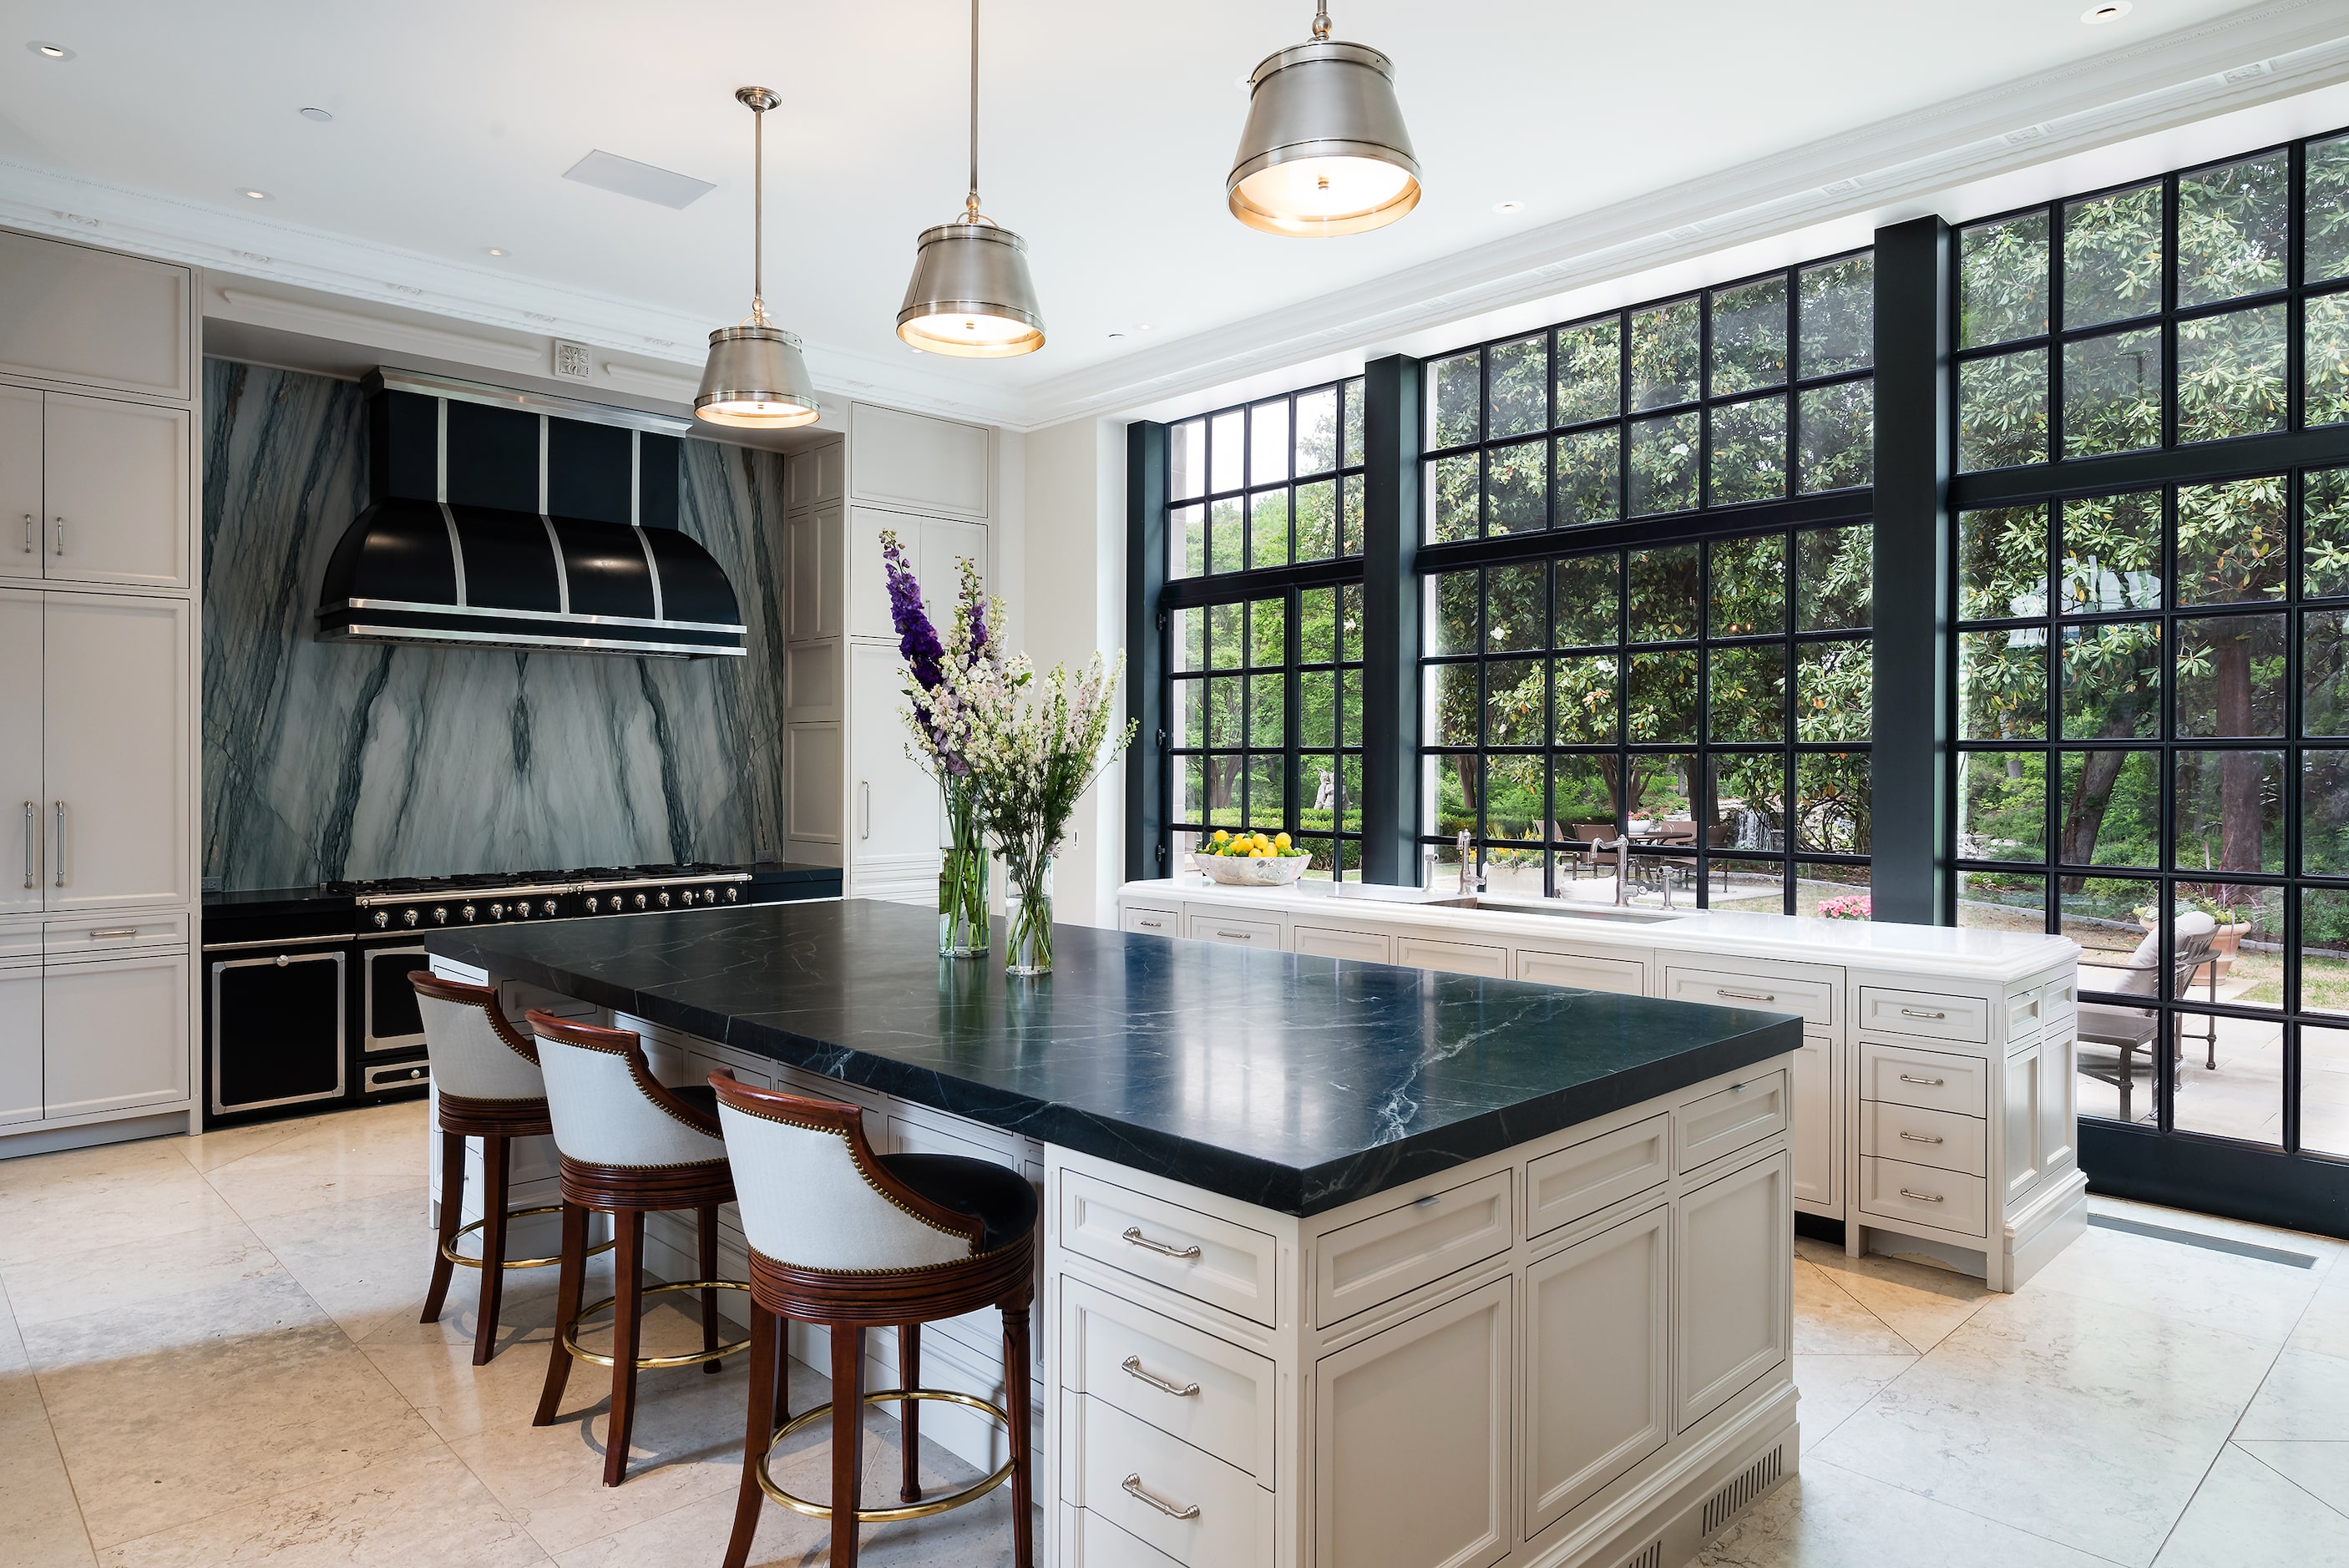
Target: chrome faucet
x,y
1471,882
1621,845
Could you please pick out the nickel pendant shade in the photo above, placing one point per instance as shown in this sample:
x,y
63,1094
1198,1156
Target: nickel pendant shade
x,y
1324,151
755,378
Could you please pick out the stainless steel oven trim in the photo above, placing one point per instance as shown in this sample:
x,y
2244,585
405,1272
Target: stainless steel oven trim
x,y
342,1036
369,1084
422,897
369,1044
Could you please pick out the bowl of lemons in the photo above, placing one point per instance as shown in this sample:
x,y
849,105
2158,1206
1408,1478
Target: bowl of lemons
x,y
1252,860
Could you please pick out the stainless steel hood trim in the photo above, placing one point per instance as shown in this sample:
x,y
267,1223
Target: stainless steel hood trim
x,y
424,609
554,544
518,640
456,547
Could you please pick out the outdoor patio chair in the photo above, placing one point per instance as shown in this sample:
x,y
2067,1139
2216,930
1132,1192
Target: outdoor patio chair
x,y
2121,1032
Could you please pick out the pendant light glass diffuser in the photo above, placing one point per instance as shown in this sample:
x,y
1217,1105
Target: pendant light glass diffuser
x,y
970,295
1324,151
755,378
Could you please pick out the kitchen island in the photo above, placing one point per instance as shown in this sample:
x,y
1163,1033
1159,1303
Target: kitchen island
x,y
1346,1263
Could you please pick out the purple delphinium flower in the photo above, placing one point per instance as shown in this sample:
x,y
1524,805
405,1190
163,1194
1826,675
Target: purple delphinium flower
x,y
973,599
917,640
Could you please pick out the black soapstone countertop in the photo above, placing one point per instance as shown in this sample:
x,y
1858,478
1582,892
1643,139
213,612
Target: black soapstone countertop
x,y
1288,1081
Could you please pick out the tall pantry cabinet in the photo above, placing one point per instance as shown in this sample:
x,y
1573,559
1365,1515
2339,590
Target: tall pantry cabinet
x,y
98,695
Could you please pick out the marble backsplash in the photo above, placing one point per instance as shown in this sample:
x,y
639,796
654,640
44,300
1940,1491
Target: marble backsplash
x,y
324,761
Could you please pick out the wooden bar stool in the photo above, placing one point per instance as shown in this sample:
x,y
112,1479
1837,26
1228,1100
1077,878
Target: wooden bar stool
x,y
629,1146
486,1078
853,1240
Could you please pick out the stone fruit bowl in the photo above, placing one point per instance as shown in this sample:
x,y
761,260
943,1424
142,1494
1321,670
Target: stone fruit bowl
x,y
1238,870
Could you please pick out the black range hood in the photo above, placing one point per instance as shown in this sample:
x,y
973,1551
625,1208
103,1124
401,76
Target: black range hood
x,y
494,523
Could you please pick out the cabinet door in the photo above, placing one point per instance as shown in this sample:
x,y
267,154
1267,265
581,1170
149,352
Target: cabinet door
x,y
114,1035
114,487
894,829
21,793
1598,1355
20,482
1818,1150
2021,1121
69,312
944,547
2059,1116
20,1046
115,751
1733,1307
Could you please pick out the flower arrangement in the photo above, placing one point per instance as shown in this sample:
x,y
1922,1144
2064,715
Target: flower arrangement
x,y
1851,906
935,670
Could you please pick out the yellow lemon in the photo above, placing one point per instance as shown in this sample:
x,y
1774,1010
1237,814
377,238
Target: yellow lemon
x,y
1222,837
1281,840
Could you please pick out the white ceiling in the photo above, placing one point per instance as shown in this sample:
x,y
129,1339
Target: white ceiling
x,y
1108,128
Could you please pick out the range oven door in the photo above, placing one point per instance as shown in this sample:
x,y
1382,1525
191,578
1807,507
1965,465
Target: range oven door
x,y
389,1019
278,1029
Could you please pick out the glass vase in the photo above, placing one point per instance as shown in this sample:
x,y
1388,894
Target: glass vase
x,y
962,876
1028,948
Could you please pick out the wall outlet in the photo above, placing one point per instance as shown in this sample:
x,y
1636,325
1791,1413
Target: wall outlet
x,y
572,362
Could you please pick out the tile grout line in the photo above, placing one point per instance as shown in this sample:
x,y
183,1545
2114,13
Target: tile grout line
x,y
1961,1508
2253,1456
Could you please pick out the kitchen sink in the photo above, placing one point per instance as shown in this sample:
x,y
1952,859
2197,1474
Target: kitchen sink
x,y
1559,910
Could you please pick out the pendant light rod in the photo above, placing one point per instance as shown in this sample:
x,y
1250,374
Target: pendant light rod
x,y
758,100
970,202
1321,19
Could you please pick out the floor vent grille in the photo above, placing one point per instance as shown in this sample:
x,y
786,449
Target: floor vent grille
x,y
1649,1556
1757,1479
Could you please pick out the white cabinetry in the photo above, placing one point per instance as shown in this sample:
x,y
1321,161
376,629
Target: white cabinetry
x,y
1598,1359
72,312
114,753
20,1043
95,489
114,1034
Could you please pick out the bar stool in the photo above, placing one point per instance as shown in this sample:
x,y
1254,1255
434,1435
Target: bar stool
x,y
489,1087
853,1240
629,1146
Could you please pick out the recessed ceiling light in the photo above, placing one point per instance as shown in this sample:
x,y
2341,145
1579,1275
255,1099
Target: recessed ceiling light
x,y
51,51
1509,206
1144,328
2110,11
496,252
255,195
324,117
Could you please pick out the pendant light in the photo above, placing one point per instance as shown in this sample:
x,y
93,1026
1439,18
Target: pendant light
x,y
970,295
755,378
1324,151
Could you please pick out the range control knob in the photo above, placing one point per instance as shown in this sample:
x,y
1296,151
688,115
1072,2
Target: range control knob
x,y
521,909
640,901
685,898
546,908
592,904
441,914
382,918
732,895
664,898
497,911
408,917
467,912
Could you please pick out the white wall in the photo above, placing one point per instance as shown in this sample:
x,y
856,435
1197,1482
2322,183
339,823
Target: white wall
x,y
1073,593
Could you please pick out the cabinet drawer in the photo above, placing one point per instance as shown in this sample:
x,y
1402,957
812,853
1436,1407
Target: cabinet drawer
x,y
21,940
1215,1396
1089,1540
1452,958
1945,1200
1336,942
1814,999
2026,1010
2059,999
1160,1490
1153,922
1207,1259
66,938
1931,1014
1942,1138
1212,925
1584,1178
1929,1080
1358,1266
1626,976
1732,1118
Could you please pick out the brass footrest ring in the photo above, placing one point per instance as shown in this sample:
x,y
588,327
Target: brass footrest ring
x,y
650,1362
923,1510
449,1248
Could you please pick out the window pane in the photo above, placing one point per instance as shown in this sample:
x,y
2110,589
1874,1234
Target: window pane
x,y
1746,696
1226,636
1317,630
1836,426
1517,488
2001,901
1586,602
1190,640
1222,792
2100,914
1191,790
1665,592
2003,806
1837,303
1589,482
1451,717
1514,807
2112,256
1349,492
1453,780
1350,708
2002,410
2230,678
1832,893
1227,535
1661,700
1582,794
1585,701
2325,813
1317,708
2111,681
1517,403
2233,229
1317,521
2112,392
1749,586
2324,533
2325,362
1268,710
1664,354
1748,887
1455,395
2324,950
1188,728
1749,798
1749,337
2325,223
1187,459
2231,375
1269,442
1350,794
2229,1080
1589,371
1749,450
2112,553
1267,794
1352,431
1661,792
2002,281
1316,431
1514,703
1834,686
2002,686
1268,634
1514,599
2324,672
2231,542
1225,702
1663,465
1831,803
2109,810
1452,629
1349,622
2230,808
2324,1056
1226,450
1834,578
1268,528
1451,487
2002,562
1187,534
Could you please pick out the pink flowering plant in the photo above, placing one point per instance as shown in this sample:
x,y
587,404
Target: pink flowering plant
x,y
1851,906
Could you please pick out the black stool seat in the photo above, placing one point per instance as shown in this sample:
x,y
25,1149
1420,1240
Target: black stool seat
x,y
999,1198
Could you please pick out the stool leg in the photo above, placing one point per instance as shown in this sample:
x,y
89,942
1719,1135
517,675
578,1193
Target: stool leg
x,y
569,1283
847,1438
909,1414
497,1164
627,1338
1015,1405
782,1369
758,1431
710,1297
452,1216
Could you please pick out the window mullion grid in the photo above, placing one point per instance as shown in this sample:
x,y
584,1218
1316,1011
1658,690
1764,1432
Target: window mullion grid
x,y
2295,279
2169,323
2056,327
2295,496
1291,690
1704,401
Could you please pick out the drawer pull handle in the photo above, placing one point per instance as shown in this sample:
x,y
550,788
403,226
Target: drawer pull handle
x,y
1132,1368
1921,1197
1925,1083
1746,995
1150,924
1238,935
115,930
1921,1137
1921,1013
1132,1486
1135,1237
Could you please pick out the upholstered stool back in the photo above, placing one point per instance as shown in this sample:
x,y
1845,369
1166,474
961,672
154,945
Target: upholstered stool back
x,y
476,1052
606,1106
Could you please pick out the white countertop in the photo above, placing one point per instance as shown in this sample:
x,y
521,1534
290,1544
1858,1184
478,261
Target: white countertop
x,y
1987,955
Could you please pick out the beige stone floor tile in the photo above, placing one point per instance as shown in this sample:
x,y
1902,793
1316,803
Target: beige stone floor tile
x,y
366,1260
359,1155
2323,1327
2305,1399
431,1363
1832,1387
2082,1422
2249,1297
208,1150
1829,1321
1829,1517
2326,1250
421,1510
87,1198
40,1518
2321,1470
1919,1303
218,1250
2247,1515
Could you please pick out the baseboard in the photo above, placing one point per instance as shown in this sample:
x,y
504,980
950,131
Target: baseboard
x,y
39,1140
2051,1223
